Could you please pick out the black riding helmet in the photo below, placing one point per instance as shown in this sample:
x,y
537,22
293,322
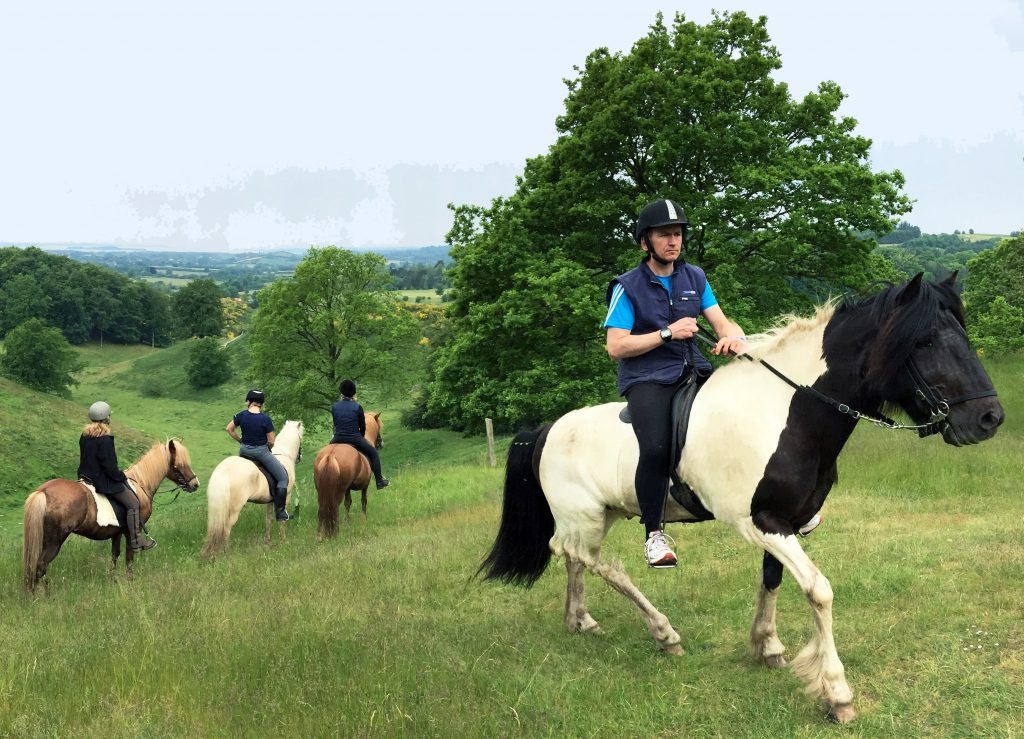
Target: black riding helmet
x,y
657,214
347,388
255,396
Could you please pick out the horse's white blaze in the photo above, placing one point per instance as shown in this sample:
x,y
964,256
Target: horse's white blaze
x,y
738,417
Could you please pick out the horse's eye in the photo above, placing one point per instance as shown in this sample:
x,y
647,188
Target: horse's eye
x,y
924,344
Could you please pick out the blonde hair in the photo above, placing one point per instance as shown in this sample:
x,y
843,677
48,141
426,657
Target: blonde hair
x,y
96,428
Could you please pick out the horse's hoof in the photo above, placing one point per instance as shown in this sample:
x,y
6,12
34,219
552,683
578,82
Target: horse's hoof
x,y
774,661
842,714
676,650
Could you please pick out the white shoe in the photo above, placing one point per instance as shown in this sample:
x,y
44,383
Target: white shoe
x,y
657,552
810,526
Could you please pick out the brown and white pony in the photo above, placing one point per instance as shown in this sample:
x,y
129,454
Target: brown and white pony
x,y
59,508
337,471
760,457
237,481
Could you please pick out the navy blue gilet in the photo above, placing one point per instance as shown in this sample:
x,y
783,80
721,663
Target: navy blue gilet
x,y
349,419
654,309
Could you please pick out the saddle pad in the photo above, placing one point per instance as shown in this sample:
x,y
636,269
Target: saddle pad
x,y
104,511
105,515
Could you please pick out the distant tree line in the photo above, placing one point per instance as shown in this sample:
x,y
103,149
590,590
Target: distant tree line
x,y
419,276
86,302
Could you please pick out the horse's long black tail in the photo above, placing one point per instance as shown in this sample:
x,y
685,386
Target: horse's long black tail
x,y
521,553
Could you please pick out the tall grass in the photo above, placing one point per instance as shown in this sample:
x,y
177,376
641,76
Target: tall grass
x,y
382,632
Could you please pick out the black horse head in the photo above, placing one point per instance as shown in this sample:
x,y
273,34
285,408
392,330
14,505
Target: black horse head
x,y
914,355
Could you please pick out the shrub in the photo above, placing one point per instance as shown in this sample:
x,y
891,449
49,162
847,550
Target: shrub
x,y
38,356
208,364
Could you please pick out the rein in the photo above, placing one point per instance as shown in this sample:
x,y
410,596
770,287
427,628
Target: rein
x,y
937,406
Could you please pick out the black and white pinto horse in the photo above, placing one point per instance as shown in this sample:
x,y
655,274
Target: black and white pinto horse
x,y
761,458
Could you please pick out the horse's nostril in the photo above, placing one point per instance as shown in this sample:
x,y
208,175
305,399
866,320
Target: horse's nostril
x,y
992,419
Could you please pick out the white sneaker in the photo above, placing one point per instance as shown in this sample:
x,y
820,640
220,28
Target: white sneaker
x,y
657,552
810,526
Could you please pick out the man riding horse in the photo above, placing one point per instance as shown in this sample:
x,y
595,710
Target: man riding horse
x,y
651,322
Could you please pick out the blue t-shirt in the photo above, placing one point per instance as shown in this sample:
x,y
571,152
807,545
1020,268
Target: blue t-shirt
x,y
255,427
620,308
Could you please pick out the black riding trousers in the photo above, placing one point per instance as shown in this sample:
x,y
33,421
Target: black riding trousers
x,y
650,406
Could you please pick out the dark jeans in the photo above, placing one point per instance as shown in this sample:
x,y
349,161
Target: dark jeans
x,y
650,405
366,448
264,456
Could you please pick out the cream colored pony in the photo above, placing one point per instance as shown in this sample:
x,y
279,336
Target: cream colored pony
x,y
237,481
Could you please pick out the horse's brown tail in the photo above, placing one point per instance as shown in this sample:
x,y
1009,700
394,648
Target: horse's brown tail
x,y
329,488
32,544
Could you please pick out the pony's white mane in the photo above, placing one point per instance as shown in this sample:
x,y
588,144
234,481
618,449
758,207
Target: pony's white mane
x,y
788,327
289,438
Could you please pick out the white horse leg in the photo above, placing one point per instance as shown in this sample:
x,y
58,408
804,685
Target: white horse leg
x,y
270,523
818,663
657,623
577,620
764,639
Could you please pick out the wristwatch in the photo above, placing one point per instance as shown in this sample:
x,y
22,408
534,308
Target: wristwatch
x,y
665,334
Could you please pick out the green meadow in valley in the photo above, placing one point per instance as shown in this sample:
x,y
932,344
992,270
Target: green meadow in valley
x,y
384,632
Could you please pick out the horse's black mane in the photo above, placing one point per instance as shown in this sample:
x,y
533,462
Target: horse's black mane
x,y
892,322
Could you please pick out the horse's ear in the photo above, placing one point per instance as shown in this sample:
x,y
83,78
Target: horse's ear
x,y
951,280
912,289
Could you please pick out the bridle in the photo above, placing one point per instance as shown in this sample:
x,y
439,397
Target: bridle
x,y
177,477
937,405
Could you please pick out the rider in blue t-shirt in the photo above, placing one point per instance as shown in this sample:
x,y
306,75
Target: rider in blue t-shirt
x,y
255,443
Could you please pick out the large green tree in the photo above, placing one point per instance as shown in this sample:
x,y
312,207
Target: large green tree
x,y
776,191
38,356
197,309
333,319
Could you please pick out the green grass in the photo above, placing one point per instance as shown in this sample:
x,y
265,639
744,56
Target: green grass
x,y
424,296
381,632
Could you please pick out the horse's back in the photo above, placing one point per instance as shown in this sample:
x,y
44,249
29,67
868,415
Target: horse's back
x,y
589,460
238,476
340,465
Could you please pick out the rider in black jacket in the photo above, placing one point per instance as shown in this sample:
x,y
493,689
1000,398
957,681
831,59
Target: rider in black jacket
x,y
97,465
350,425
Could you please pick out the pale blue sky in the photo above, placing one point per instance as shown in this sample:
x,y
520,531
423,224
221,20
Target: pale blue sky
x,y
232,125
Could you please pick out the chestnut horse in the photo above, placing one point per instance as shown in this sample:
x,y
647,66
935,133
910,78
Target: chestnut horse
x,y
761,457
60,507
337,471
237,481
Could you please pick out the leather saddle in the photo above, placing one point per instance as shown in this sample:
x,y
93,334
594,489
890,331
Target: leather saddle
x,y
682,402
271,484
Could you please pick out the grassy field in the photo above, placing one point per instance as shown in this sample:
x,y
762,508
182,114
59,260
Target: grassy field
x,y
382,632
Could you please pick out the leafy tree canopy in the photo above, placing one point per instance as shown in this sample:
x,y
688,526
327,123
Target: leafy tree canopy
x,y
776,191
38,356
198,310
83,300
994,297
332,319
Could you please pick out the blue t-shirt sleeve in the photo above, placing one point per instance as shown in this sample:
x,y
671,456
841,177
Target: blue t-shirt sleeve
x,y
268,425
237,418
620,310
708,299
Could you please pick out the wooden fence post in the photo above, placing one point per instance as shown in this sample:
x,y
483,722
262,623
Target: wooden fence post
x,y
490,443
